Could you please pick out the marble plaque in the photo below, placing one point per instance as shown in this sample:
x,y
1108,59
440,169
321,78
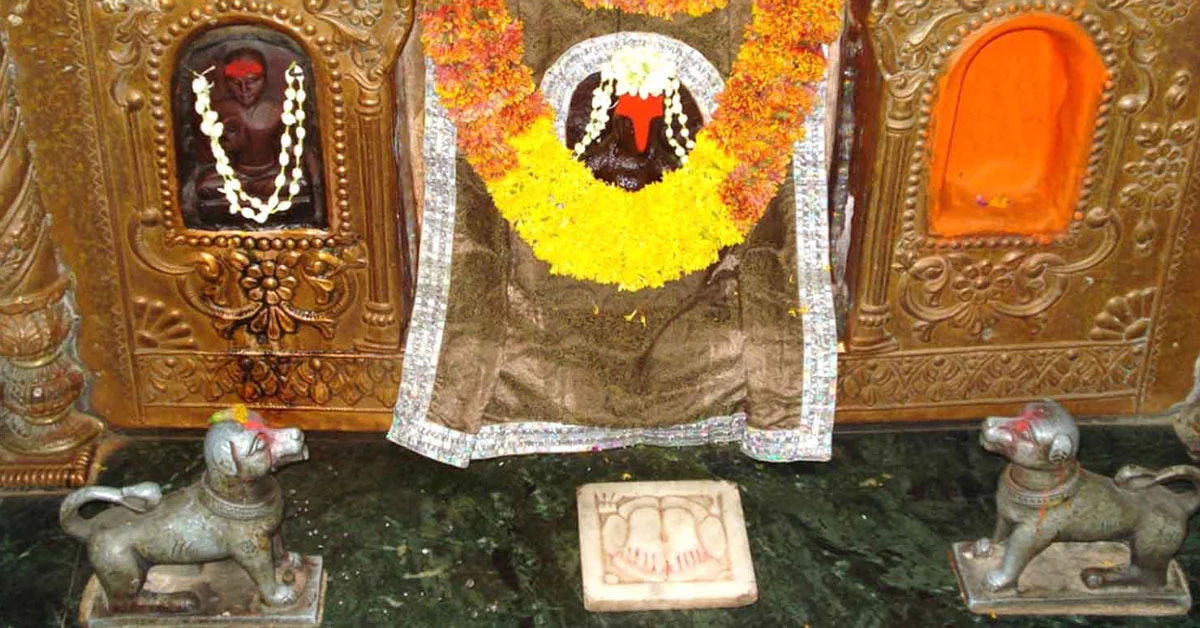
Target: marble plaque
x,y
664,545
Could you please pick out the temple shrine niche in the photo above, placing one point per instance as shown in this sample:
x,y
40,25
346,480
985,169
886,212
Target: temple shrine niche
x,y
254,80
1017,190
1012,129
248,219
540,348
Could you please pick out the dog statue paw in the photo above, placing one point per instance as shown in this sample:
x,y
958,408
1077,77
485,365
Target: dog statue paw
x,y
212,549
996,580
1100,545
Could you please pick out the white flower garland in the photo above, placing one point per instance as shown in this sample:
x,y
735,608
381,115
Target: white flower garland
x,y
293,116
638,71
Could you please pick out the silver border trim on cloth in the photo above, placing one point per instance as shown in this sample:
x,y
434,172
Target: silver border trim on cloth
x,y
814,439
411,429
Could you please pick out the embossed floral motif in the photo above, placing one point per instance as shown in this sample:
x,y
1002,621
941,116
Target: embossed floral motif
x,y
982,282
293,380
269,281
27,334
120,6
1125,317
167,379
353,23
318,380
132,36
905,380
251,378
158,327
1168,11
972,294
271,294
973,291
1158,174
25,228
272,284
364,13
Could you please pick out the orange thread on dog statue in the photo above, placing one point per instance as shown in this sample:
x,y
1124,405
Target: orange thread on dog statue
x,y
1012,128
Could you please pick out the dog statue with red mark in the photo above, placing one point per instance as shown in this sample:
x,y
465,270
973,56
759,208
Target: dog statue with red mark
x,y
1045,497
231,514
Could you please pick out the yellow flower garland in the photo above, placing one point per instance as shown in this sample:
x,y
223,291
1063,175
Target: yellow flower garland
x,y
635,240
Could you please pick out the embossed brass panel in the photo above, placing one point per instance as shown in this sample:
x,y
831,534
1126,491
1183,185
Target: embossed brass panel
x,y
178,321
1096,315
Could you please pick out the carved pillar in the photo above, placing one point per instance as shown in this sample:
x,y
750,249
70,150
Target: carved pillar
x,y
872,313
45,441
379,313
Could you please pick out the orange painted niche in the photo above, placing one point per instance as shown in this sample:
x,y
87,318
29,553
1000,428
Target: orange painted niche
x,y
1012,129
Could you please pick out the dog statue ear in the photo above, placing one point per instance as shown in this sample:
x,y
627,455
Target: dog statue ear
x,y
225,459
1061,449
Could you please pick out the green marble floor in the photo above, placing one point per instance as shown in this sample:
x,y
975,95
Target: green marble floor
x,y
859,541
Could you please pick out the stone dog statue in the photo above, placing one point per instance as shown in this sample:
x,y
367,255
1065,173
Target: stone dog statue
x,y
233,511
1045,497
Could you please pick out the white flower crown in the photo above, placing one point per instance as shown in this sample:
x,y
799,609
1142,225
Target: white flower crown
x,y
642,72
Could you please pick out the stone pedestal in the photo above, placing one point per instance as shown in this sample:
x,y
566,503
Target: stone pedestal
x,y
228,598
1051,584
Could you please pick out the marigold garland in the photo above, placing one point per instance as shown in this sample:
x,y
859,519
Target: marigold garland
x,y
659,8
589,229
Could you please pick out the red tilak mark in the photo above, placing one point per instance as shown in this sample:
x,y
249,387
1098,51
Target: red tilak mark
x,y
242,68
641,111
1021,426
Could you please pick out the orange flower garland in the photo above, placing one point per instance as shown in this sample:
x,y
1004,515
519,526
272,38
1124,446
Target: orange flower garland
x,y
658,8
503,121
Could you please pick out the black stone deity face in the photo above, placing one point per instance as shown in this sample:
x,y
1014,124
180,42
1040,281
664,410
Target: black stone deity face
x,y
245,73
615,157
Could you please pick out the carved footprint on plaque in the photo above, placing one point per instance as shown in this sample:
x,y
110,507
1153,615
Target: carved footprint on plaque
x,y
664,539
695,539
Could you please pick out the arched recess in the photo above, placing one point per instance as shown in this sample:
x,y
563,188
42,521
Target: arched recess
x,y
1012,129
